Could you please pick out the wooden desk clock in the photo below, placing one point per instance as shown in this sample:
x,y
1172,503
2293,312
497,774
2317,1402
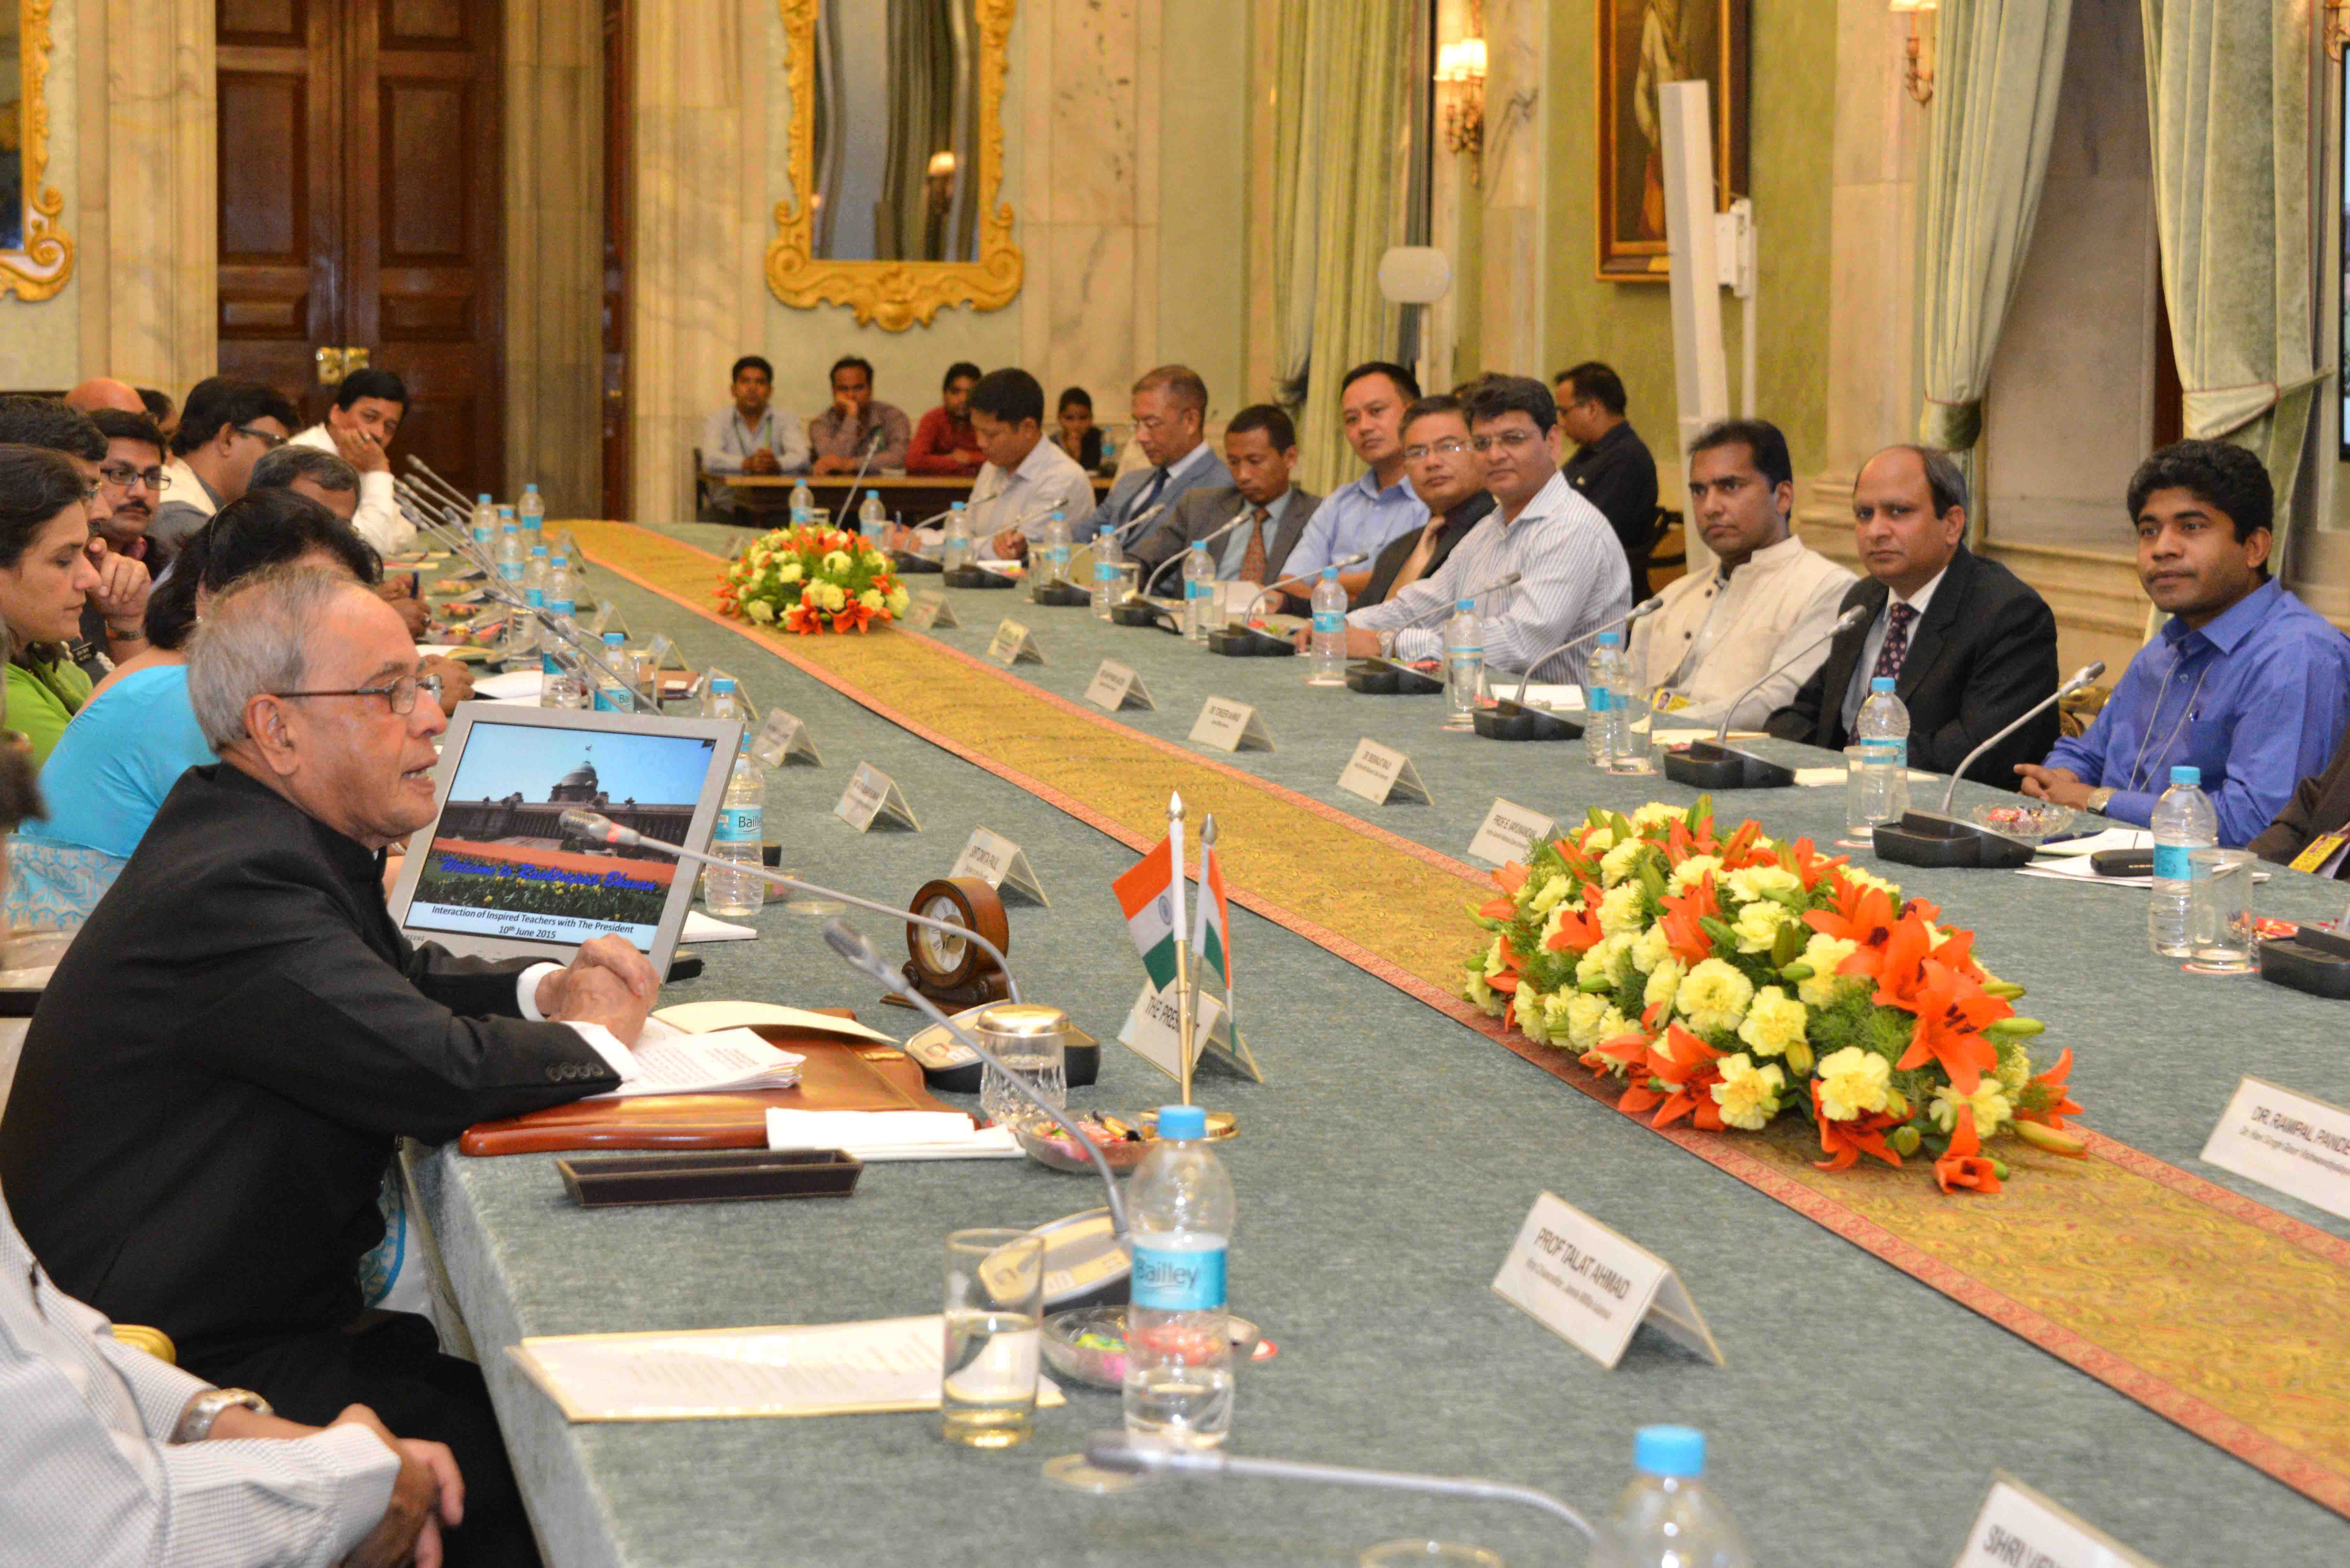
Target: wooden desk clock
x,y
951,971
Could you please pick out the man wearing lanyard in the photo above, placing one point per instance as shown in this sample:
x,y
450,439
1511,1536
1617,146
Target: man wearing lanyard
x,y
749,436
2244,682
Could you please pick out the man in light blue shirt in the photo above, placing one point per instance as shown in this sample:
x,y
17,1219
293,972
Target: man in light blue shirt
x,y
1171,412
2245,682
1379,503
750,435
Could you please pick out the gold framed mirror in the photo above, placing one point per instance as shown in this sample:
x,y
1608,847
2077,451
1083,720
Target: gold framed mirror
x,y
36,257
896,159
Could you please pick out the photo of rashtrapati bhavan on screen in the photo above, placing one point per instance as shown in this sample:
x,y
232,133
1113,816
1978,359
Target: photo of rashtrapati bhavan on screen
x,y
501,864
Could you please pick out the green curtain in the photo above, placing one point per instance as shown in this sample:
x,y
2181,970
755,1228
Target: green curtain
x,y
2227,89
1998,68
1339,133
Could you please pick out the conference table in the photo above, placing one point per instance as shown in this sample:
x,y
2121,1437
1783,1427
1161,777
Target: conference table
x,y
1873,1388
911,497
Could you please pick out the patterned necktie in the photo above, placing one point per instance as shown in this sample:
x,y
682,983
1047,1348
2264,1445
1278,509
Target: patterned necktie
x,y
1896,640
1252,558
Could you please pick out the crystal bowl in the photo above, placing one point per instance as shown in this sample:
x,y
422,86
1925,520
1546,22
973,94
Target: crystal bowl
x,y
1103,1366
2028,821
1047,1144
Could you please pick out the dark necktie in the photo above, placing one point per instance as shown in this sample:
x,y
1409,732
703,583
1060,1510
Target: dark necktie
x,y
1252,558
1149,493
1896,640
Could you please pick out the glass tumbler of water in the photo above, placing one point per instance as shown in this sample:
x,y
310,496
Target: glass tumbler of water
x,y
1864,801
994,1335
1638,755
1029,1039
2220,914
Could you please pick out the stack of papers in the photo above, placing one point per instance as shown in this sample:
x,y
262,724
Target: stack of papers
x,y
875,1135
701,927
516,688
668,1061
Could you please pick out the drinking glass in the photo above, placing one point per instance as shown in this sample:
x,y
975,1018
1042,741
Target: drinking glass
x,y
994,1335
1863,804
2219,930
1030,1040
1639,755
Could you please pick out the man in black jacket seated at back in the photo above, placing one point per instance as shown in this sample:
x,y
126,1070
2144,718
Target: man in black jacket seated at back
x,y
212,1084
1969,645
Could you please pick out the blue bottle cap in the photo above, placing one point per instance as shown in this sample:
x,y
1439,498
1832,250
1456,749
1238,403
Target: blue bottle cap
x,y
1463,607
1675,1451
614,638
1182,1121
1880,683
1329,574
530,490
539,549
872,495
564,561
1610,638
2188,776
484,498
723,683
1199,544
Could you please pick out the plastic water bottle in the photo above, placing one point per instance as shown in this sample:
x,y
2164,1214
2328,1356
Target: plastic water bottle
x,y
613,694
485,523
513,559
739,835
1464,665
1882,732
802,501
2183,821
1198,590
1666,1518
531,512
954,549
872,517
561,685
1056,548
1329,640
1602,686
1110,449
1107,561
1178,1351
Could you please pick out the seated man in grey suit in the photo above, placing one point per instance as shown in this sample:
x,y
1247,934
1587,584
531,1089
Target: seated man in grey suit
x,y
1171,412
1251,523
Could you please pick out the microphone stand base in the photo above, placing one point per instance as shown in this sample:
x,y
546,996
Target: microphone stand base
x,y
1706,765
975,577
1140,615
1507,720
1061,596
1927,838
1077,1473
906,563
1238,642
1385,678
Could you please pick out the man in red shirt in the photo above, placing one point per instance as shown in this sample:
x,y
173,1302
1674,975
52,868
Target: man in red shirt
x,y
944,442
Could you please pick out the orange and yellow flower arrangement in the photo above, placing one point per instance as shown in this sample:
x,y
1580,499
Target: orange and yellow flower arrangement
x,y
1730,980
809,580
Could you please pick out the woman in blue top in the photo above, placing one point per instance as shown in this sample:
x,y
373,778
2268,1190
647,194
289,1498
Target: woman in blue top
x,y
137,734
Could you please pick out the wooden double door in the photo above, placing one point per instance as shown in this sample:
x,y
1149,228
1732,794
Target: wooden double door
x,y
361,212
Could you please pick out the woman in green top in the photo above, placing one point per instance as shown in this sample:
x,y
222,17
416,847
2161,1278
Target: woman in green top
x,y
45,577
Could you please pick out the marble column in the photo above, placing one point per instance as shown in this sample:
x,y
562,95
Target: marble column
x,y
162,250
1513,261
552,71
1455,210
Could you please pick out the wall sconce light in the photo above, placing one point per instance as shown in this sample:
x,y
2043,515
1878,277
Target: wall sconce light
x,y
1918,75
1461,82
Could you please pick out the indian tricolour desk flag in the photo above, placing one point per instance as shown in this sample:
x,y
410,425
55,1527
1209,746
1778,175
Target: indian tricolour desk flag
x,y
1211,927
1147,894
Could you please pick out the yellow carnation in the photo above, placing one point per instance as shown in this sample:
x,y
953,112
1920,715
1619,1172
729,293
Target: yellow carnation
x,y
1713,997
1692,871
875,560
1747,1095
898,601
1757,926
1760,882
1610,959
1526,1013
2014,1070
870,598
1590,1019
1619,911
1990,1103
1664,982
836,561
1551,894
789,572
1484,997
1824,953
1597,840
1857,878
1653,949
760,611
1774,1024
1616,864
1656,814
1497,959
1852,1082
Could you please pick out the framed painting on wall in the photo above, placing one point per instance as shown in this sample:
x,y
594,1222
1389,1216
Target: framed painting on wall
x,y
1644,43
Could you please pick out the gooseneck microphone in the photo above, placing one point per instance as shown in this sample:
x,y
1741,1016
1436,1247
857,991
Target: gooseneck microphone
x,y
1712,764
1356,559
601,829
1130,1454
1640,611
1859,614
1205,539
861,956
2083,677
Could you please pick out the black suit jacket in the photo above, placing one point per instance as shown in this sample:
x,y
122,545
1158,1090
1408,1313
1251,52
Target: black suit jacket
x,y
2320,805
1454,527
212,1084
1199,513
1617,475
1985,652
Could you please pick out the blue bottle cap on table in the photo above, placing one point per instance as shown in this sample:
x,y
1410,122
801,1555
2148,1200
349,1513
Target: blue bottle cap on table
x,y
530,490
484,498
1182,1121
872,495
1880,683
2188,776
1329,574
1675,1451
723,683
614,638
1462,606
1611,639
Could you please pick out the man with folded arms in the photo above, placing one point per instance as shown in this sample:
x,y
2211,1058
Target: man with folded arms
x,y
1768,598
1967,642
211,1089
1572,577
2244,682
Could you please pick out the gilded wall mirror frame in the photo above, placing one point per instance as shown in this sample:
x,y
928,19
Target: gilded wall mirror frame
x,y
895,294
35,255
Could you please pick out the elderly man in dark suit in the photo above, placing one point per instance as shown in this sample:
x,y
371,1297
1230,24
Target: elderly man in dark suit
x,y
214,1083
1967,644
1253,523
1170,415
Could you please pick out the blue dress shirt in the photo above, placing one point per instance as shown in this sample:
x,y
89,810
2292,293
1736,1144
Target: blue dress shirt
x,y
2254,699
1357,515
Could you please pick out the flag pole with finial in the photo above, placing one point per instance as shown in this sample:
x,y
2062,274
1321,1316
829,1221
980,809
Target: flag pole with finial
x,y
1183,948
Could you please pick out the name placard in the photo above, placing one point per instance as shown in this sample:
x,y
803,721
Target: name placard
x,y
1117,686
1592,1287
1001,864
1508,832
873,796
2018,1527
1013,644
930,611
2299,1146
659,651
1231,726
597,623
1152,1032
783,740
1380,773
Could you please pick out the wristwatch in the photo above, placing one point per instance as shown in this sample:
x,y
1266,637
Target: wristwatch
x,y
2101,798
196,1420
1386,645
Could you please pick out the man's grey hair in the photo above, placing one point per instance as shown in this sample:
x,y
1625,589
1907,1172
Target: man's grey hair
x,y
281,466
253,640
1945,481
1179,383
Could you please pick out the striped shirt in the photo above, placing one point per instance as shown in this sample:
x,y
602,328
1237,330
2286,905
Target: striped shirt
x,y
1572,580
91,1479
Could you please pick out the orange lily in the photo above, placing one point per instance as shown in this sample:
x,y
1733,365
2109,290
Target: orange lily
x,y
1963,1165
1614,1056
2059,1093
1735,854
1683,933
1685,1064
1951,1013
1845,1142
1807,863
1862,914
1578,933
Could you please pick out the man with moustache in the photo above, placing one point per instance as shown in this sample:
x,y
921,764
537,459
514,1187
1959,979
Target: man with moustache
x,y
1449,477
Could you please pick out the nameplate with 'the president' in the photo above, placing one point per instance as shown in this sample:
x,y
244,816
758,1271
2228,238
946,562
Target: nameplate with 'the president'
x,y
873,796
1592,1287
2299,1146
1231,726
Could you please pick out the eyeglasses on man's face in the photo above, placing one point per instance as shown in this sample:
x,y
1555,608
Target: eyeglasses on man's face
x,y
398,694
269,442
1448,446
125,476
1508,441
